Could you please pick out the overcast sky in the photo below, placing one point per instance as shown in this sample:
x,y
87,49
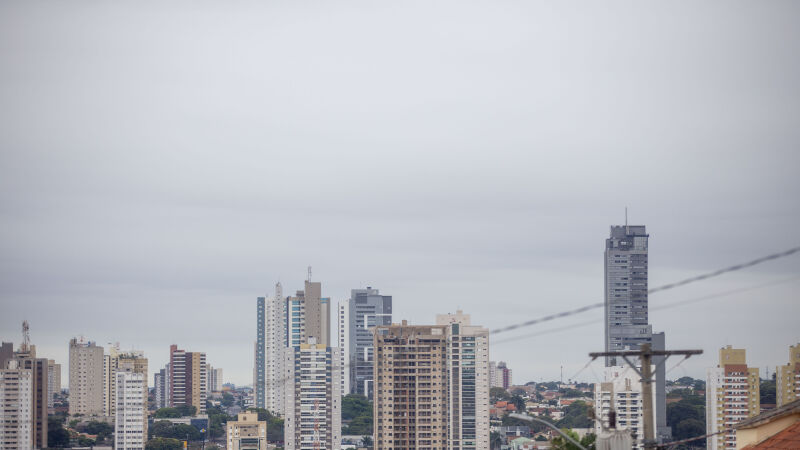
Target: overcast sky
x,y
165,163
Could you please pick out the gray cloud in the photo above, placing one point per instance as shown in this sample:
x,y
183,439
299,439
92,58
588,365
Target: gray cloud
x,y
179,158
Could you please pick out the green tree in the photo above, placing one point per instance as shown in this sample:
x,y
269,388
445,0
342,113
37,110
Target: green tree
x,y
498,393
167,429
767,392
167,413
571,393
495,440
367,442
227,399
688,428
361,425
275,430
84,441
187,410
357,410
57,436
217,418
519,403
576,415
354,405
560,443
164,444
680,411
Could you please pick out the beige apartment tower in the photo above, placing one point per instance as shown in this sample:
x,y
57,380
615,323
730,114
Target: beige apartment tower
x,y
732,395
468,382
86,381
188,379
787,384
53,382
132,361
246,432
309,316
410,374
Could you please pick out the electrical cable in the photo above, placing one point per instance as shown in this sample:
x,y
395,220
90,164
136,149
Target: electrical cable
x,y
662,288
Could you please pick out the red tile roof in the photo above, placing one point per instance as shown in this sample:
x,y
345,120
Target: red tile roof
x,y
788,439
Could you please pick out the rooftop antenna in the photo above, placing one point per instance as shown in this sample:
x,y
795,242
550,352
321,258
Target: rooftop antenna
x,y
309,274
627,230
26,337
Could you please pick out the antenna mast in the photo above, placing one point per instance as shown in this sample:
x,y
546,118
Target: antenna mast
x,y
627,230
26,337
309,274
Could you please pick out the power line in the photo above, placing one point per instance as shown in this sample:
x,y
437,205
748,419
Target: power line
x,y
696,438
656,308
595,321
665,287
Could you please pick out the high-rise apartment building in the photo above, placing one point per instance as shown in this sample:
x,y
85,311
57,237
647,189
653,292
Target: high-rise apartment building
x,y
132,360
275,343
503,375
246,433
187,379
161,385
53,382
787,378
6,353
26,359
214,379
130,405
468,382
109,379
343,340
627,324
621,392
410,373
16,407
732,395
626,311
313,412
260,354
86,382
358,315
308,316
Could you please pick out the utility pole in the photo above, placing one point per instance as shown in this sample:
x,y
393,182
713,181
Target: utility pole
x,y
645,354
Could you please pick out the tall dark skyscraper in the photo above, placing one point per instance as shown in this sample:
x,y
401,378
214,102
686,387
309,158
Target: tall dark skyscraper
x,y
627,325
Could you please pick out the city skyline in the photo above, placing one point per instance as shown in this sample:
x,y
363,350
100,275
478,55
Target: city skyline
x,y
176,171
590,378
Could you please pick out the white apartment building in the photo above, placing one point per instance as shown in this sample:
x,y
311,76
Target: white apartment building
x,y
214,380
343,338
621,392
16,407
468,382
131,411
275,345
313,417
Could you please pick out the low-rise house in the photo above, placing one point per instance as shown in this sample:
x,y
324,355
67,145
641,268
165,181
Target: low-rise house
x,y
776,429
